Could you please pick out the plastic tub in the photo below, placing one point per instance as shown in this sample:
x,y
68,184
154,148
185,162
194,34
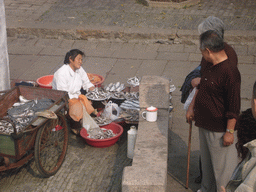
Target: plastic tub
x,y
45,81
101,143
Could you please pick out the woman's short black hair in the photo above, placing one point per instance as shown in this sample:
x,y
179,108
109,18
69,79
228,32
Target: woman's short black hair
x,y
72,55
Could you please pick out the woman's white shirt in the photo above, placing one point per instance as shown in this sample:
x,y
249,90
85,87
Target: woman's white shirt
x,y
65,79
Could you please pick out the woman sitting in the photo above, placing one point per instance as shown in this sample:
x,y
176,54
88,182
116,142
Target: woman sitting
x,y
71,77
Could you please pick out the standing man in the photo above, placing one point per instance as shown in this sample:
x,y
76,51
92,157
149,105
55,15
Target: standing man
x,y
215,109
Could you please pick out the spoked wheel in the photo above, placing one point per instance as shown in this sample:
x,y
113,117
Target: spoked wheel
x,y
51,146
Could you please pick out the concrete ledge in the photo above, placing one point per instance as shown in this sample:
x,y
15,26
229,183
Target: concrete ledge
x,y
149,168
154,91
126,34
180,5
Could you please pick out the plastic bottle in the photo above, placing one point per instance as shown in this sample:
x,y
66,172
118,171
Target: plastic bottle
x,y
132,134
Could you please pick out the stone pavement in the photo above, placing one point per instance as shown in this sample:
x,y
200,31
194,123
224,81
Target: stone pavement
x,y
124,19
112,34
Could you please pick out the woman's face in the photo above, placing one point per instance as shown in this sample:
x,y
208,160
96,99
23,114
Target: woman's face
x,y
76,64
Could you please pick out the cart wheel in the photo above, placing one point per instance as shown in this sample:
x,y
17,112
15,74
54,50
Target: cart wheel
x,y
51,146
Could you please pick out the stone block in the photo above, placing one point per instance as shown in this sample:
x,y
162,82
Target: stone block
x,y
154,91
149,169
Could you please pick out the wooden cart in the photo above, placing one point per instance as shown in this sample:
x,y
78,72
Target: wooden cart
x,y
45,139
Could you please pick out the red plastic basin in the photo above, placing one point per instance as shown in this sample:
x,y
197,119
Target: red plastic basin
x,y
101,143
45,81
96,79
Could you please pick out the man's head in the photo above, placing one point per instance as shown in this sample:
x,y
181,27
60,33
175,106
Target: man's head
x,y
212,23
210,43
254,100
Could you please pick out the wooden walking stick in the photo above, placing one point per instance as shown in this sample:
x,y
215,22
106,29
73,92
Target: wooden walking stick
x,y
189,146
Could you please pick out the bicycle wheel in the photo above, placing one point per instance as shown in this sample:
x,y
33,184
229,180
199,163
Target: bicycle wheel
x,y
51,146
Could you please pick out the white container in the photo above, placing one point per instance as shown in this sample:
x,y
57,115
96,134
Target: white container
x,y
150,114
132,134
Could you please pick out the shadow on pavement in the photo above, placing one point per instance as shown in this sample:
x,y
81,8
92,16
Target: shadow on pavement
x,y
177,163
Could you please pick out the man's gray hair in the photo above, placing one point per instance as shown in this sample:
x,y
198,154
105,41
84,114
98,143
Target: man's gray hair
x,y
212,23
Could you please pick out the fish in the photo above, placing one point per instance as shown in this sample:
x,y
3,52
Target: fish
x,y
100,133
102,120
115,87
132,95
23,99
134,81
130,115
108,87
120,88
117,84
98,94
118,95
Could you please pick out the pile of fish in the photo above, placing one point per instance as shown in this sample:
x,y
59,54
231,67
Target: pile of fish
x,y
118,95
130,104
6,127
102,120
115,87
22,113
100,133
134,81
98,94
131,95
130,114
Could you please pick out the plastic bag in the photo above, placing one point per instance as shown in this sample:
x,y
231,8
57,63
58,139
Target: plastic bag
x,y
111,111
88,122
189,99
75,109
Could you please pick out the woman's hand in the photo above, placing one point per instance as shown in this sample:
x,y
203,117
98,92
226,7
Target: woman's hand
x,y
195,82
91,88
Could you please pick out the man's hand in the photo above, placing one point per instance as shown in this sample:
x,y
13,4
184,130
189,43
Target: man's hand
x,y
195,82
223,189
190,115
228,139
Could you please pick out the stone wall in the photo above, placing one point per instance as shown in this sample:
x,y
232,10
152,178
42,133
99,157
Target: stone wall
x,y
149,168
